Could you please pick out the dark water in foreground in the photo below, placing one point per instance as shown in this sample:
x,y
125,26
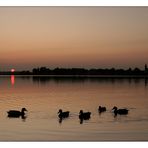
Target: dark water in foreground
x,y
44,96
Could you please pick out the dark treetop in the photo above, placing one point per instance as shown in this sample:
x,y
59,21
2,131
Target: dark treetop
x,y
82,72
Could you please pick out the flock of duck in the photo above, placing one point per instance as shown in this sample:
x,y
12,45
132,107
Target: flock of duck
x,y
63,115
87,115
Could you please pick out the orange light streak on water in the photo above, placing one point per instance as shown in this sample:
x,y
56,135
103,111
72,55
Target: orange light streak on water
x,y
12,79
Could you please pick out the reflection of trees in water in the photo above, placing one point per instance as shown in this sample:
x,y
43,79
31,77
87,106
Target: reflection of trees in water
x,y
24,77
56,79
40,79
80,79
146,81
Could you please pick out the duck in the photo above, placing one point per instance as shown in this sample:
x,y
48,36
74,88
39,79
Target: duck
x,y
101,109
16,113
84,115
62,114
120,111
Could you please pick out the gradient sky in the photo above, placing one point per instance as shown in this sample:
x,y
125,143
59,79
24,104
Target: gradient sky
x,y
98,37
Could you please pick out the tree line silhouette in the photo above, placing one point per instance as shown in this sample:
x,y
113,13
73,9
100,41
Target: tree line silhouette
x,y
81,72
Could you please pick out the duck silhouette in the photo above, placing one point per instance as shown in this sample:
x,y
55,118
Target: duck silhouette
x,y
120,111
62,114
101,109
84,115
17,114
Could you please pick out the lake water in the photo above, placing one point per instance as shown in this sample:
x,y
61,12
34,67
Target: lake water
x,y
44,96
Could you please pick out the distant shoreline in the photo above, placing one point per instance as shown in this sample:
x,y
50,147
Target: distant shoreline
x,y
80,76
82,72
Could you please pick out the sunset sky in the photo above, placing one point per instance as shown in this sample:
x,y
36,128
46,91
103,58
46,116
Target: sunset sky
x,y
89,37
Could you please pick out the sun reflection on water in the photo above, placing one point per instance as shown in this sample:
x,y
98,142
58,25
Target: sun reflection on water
x,y
12,79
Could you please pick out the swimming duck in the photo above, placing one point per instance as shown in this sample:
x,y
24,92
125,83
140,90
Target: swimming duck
x,y
63,114
84,115
120,111
101,109
16,113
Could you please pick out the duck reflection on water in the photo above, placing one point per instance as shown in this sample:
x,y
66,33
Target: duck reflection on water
x,y
101,109
84,116
62,115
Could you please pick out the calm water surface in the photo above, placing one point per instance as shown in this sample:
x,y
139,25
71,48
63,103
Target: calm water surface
x,y
44,96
